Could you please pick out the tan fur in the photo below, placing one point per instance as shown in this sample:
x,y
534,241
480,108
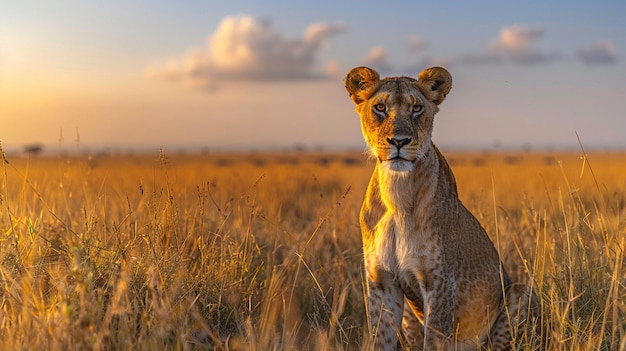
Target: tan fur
x,y
434,279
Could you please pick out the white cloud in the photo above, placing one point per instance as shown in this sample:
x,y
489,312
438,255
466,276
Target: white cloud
x,y
518,44
600,53
243,48
333,69
516,37
416,43
317,33
377,59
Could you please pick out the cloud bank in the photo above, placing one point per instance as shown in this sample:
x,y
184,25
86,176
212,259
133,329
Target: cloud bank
x,y
600,53
516,44
243,48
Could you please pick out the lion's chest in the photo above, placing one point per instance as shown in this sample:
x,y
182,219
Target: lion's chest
x,y
404,244
400,231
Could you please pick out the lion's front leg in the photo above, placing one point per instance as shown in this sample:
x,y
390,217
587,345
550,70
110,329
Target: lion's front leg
x,y
439,315
385,302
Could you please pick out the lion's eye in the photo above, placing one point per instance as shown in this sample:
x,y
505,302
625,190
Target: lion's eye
x,y
417,110
380,107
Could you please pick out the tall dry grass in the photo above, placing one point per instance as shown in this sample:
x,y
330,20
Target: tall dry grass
x,y
263,252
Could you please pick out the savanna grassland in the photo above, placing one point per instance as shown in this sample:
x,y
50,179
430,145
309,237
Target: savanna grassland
x,y
263,251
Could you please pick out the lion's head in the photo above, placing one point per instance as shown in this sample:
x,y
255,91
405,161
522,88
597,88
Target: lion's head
x,y
397,113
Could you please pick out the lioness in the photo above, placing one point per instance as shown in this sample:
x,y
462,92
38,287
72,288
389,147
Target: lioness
x,y
434,279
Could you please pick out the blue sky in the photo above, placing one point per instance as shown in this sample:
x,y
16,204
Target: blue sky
x,y
250,74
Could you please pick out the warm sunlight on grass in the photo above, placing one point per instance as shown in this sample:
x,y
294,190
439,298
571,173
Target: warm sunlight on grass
x,y
263,252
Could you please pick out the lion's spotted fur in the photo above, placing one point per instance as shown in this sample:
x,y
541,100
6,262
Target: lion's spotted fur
x,y
434,278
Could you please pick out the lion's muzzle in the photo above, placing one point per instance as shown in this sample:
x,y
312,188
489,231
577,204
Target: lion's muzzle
x,y
398,153
399,149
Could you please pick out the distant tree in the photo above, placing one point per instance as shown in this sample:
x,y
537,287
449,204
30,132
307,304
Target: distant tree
x,y
33,149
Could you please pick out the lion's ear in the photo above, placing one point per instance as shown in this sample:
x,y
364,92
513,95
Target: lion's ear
x,y
359,81
435,83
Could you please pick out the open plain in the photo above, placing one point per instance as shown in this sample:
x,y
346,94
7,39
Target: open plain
x,y
262,251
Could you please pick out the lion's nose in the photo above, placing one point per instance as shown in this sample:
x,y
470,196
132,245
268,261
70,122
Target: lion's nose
x,y
399,143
